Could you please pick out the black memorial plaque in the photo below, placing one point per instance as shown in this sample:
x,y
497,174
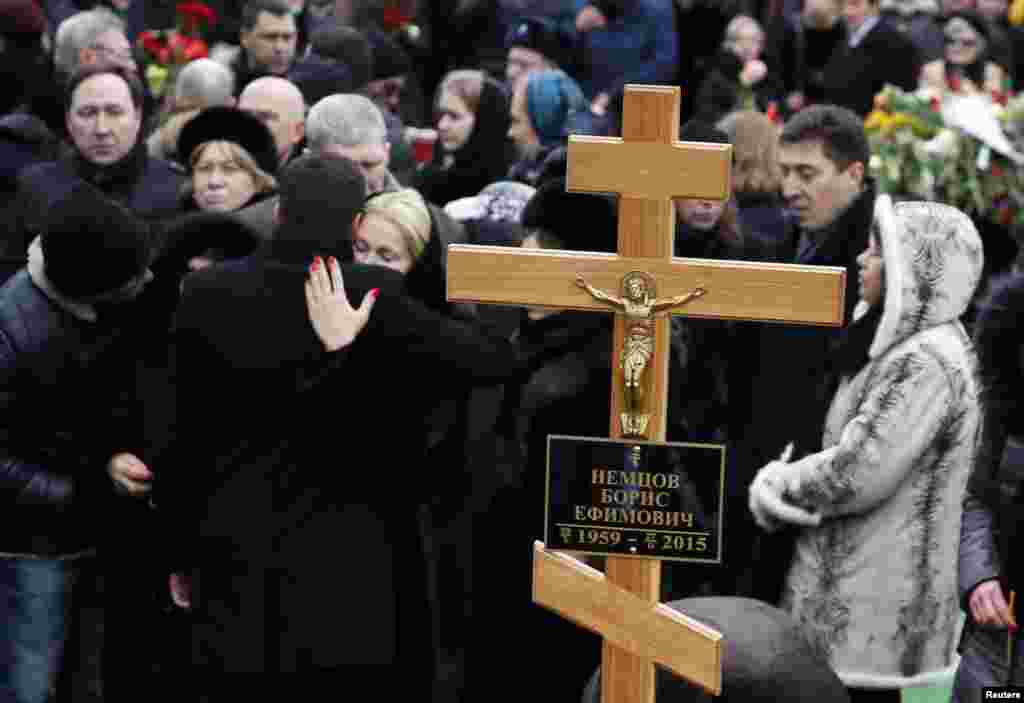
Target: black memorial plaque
x,y
635,498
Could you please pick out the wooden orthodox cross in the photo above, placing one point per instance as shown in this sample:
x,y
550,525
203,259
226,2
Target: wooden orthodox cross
x,y
647,168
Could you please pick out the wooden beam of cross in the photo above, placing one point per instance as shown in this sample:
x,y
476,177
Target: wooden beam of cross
x,y
647,168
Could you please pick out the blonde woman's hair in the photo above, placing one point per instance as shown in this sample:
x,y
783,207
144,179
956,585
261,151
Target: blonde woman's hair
x,y
755,149
407,211
263,180
466,84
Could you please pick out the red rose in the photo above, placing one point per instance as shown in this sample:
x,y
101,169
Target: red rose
x,y
935,103
196,49
997,171
163,56
394,18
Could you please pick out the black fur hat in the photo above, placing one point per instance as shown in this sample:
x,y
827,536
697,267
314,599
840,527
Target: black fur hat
x,y
230,124
92,245
581,221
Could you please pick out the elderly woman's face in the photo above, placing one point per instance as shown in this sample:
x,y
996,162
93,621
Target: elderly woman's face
x,y
379,243
219,182
963,43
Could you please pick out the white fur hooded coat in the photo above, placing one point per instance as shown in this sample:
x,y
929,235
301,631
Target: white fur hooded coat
x,y
875,584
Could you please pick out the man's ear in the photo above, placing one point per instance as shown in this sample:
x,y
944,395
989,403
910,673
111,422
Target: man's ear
x,y
356,222
243,38
277,213
856,170
300,132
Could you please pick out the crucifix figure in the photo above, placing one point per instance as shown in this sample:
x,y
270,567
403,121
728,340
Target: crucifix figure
x,y
647,168
640,304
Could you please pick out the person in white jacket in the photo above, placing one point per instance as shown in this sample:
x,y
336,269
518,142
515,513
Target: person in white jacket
x,y
874,581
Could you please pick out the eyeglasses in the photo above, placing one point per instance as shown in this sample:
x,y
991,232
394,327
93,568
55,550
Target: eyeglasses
x,y
961,42
124,55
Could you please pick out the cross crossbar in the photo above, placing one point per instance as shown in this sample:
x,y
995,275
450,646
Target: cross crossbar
x,y
742,290
654,631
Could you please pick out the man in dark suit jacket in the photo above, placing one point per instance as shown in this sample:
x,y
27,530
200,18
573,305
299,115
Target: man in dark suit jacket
x,y
292,493
873,54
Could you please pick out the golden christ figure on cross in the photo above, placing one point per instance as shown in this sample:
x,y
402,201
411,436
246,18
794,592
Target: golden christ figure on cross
x,y
639,304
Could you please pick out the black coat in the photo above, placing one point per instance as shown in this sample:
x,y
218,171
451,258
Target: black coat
x,y
69,400
854,76
565,388
721,91
298,473
149,187
793,383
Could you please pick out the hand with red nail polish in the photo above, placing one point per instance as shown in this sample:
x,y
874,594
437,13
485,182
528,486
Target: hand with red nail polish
x,y
334,320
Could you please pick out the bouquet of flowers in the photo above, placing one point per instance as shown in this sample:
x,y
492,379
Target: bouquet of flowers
x,y
954,150
166,51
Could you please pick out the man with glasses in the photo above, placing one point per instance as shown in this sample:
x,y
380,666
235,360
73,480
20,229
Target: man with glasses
x,y
873,55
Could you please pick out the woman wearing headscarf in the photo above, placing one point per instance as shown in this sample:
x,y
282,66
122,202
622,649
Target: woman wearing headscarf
x,y
881,503
545,106
472,148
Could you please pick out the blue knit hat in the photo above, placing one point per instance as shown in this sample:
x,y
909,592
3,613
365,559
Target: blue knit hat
x,y
553,100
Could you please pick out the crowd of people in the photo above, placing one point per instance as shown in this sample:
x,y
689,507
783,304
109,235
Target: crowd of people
x,y
243,423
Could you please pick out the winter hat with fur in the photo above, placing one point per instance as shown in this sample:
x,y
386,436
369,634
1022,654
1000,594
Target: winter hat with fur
x,y
92,245
230,124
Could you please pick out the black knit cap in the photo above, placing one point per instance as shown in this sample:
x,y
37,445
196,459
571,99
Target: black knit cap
x,y
543,36
230,124
389,59
583,222
698,131
92,245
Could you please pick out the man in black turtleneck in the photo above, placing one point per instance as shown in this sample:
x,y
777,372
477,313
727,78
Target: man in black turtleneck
x,y
104,119
823,155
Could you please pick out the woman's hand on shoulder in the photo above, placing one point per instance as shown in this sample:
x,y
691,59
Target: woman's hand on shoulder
x,y
334,320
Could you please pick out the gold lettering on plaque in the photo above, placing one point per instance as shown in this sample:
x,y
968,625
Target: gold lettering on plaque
x,y
639,304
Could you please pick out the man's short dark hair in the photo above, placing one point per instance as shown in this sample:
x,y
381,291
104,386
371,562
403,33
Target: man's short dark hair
x,y
320,197
840,131
86,72
253,8
348,46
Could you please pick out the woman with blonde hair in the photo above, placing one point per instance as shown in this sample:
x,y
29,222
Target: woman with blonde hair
x,y
397,231
756,177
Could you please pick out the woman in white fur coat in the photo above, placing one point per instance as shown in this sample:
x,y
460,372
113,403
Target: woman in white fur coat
x,y
874,579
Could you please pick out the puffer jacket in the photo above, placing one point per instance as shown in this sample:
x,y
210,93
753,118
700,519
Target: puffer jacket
x,y
875,583
67,405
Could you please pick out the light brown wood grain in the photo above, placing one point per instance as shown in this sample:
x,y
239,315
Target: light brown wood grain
x,y
637,626
737,290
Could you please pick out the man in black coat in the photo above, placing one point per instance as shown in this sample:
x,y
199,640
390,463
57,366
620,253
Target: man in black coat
x,y
71,330
292,492
873,55
104,120
823,155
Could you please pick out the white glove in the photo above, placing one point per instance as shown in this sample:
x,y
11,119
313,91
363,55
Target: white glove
x,y
766,501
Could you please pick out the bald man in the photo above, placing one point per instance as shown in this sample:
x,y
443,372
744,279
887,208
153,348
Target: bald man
x,y
280,106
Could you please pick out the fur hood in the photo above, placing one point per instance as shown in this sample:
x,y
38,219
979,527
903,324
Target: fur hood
x,y
933,261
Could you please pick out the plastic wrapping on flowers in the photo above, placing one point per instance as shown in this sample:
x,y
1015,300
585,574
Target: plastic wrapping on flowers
x,y
913,154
